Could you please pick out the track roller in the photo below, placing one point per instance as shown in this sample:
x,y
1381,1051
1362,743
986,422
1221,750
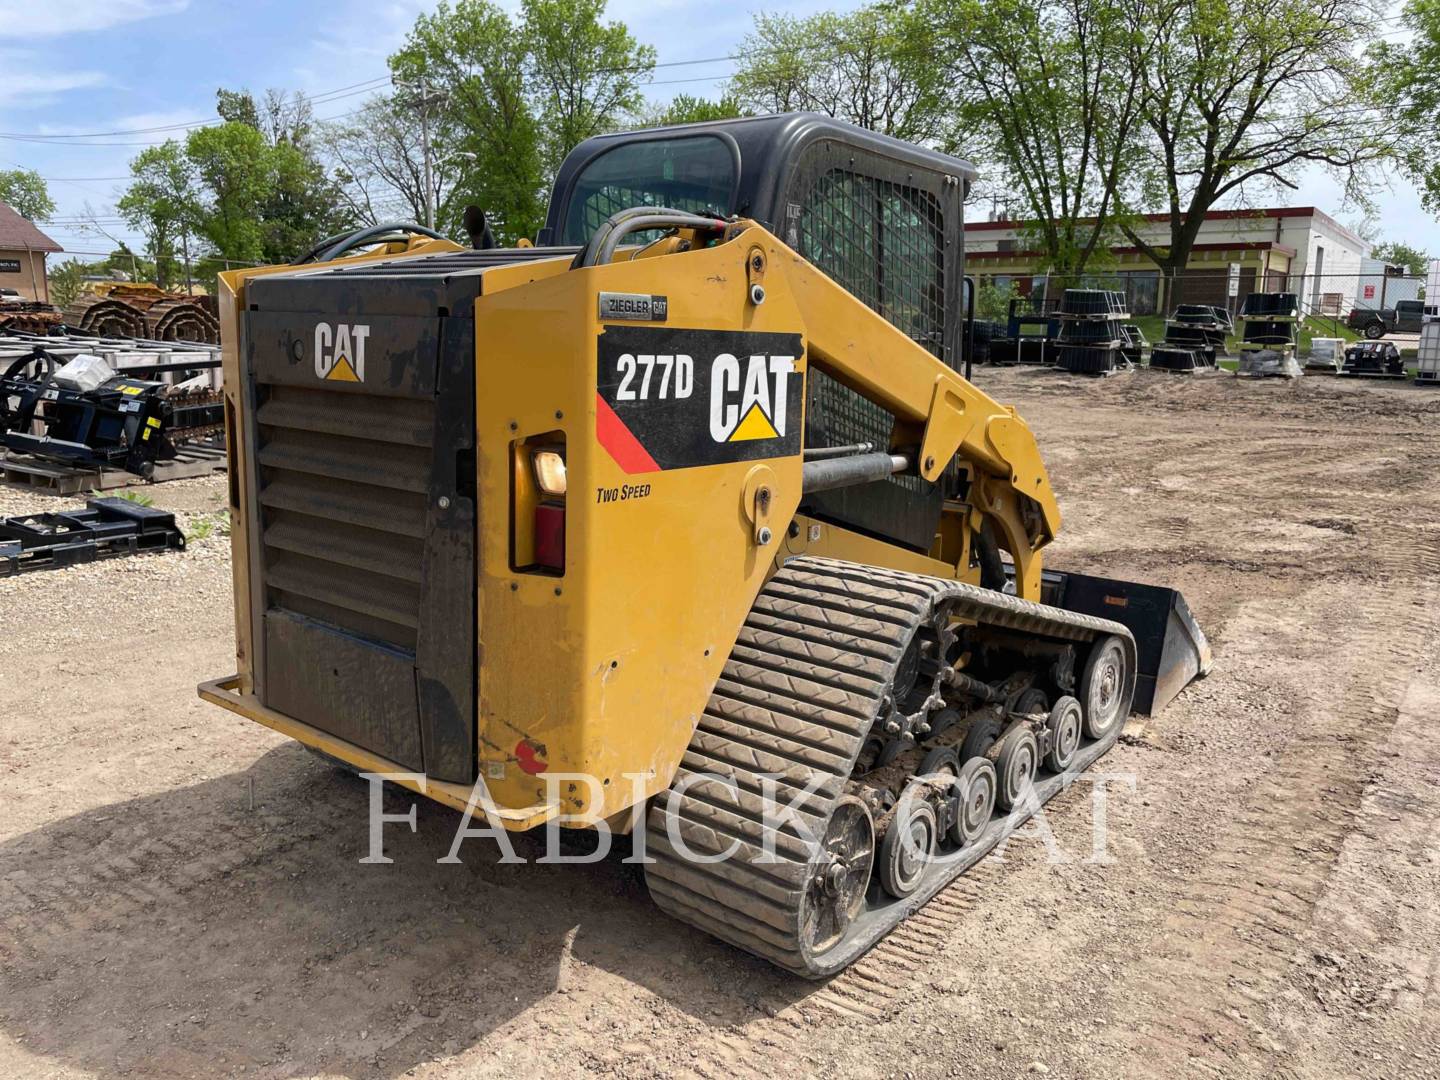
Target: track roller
x,y
1064,727
1015,765
909,844
974,801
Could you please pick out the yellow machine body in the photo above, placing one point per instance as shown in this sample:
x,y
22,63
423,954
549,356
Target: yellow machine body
x,y
603,670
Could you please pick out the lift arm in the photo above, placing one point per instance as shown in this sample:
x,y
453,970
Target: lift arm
x,y
952,417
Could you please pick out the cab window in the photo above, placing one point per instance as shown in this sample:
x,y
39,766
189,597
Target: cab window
x,y
693,173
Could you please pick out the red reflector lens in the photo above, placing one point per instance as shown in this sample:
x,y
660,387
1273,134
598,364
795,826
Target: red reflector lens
x,y
550,536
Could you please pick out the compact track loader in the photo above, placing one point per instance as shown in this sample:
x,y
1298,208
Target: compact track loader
x,y
691,505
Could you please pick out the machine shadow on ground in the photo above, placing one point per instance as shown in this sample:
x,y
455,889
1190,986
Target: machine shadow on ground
x,y
296,958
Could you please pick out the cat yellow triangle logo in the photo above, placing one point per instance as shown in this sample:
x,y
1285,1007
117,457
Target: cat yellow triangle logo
x,y
755,425
342,371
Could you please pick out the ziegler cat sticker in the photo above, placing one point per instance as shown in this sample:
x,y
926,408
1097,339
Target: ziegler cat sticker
x,y
676,399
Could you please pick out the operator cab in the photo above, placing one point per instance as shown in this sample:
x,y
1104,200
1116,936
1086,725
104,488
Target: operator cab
x,y
881,217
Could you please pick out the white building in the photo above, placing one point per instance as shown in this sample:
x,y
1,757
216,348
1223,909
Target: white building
x,y
1299,249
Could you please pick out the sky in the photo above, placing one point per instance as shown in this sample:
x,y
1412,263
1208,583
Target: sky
x,y
84,68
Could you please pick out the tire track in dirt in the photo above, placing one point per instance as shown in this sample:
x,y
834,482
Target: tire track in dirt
x,y
1230,941
870,992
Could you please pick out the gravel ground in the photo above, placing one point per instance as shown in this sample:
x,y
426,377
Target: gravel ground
x,y
180,891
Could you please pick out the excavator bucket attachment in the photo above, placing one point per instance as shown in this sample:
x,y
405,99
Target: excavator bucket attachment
x,y
1171,650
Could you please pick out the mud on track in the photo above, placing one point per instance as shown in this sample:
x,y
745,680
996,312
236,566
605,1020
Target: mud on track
x,y
180,893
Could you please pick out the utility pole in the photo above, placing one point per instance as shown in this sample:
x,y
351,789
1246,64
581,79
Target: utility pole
x,y
429,168
425,151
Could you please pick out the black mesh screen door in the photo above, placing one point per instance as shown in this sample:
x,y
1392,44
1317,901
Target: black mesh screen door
x,y
877,227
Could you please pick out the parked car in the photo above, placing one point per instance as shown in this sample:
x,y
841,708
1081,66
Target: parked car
x,y
1404,318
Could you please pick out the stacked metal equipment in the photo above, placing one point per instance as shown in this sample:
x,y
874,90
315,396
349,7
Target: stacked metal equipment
x,y
127,309
1091,340
1203,324
1267,345
27,315
1428,355
1194,335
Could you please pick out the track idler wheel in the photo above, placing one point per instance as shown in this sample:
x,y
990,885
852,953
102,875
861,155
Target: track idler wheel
x,y
909,845
1064,726
974,796
839,875
1015,765
1106,687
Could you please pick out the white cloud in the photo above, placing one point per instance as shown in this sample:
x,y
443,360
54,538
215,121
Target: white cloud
x,y
33,89
79,16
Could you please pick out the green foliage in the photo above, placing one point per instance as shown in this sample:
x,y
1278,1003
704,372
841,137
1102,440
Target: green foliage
x,y
1408,85
992,303
251,189
207,525
1245,95
1042,93
124,264
687,109
139,498
516,93
66,280
25,192
586,73
163,205
873,67
475,55
1395,253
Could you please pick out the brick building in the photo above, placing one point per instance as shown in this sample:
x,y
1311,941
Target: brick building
x,y
23,249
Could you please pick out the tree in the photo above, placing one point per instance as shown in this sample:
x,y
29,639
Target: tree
x,y
263,194
1045,95
379,168
231,161
687,109
1247,94
476,57
873,67
66,280
163,204
586,74
514,96
1394,253
1409,91
24,191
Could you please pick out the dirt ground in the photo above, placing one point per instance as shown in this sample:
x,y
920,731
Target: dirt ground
x,y
180,891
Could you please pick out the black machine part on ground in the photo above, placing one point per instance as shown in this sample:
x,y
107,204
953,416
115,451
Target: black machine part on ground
x,y
105,528
123,423
1171,649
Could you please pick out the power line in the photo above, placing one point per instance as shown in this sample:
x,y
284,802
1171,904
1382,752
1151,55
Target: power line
x,y
322,97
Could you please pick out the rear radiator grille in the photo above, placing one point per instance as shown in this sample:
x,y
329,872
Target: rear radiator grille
x,y
342,486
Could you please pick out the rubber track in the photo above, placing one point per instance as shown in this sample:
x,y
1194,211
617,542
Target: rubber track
x,y
809,673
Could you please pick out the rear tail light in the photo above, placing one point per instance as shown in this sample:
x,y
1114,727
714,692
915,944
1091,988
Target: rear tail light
x,y
549,466
538,512
550,536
